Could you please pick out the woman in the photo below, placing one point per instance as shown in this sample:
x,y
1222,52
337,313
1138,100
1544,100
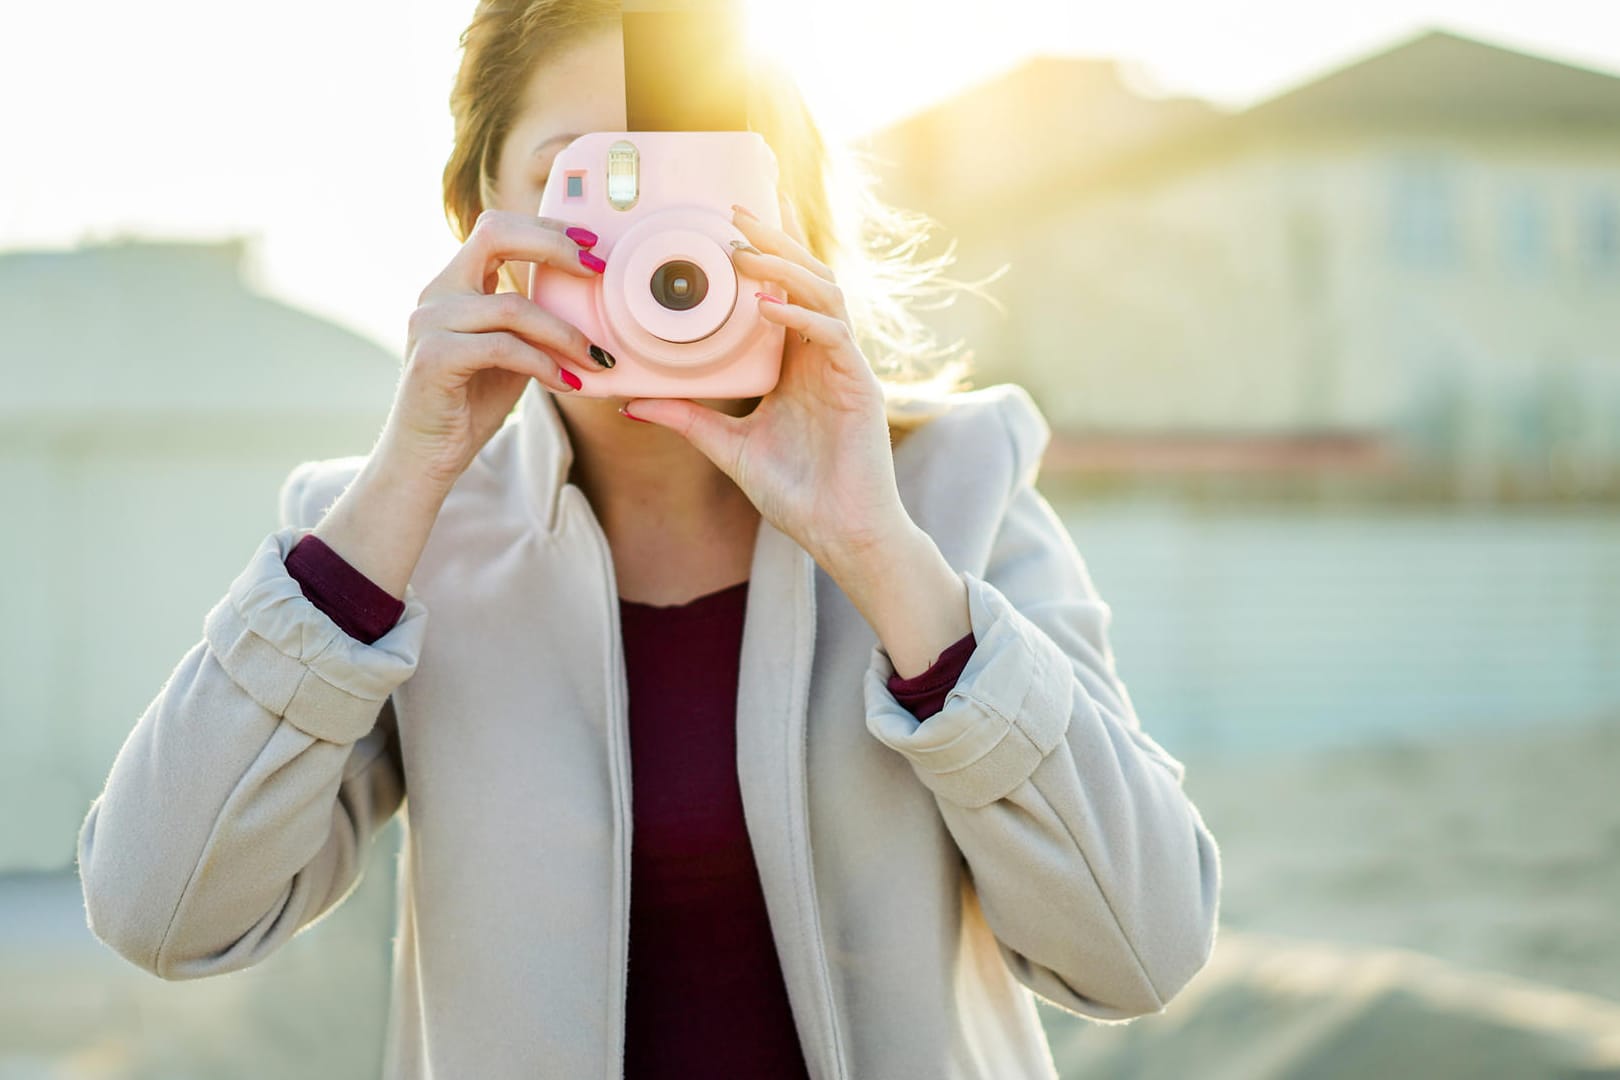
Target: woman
x,y
887,781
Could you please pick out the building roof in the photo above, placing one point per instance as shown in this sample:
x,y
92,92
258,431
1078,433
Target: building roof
x,y
1439,77
1072,122
143,328
1055,114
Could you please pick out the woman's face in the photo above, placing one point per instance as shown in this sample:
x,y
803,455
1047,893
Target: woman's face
x,y
579,90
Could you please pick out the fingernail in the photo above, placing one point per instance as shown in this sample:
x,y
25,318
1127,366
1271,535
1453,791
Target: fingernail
x,y
601,356
570,378
582,237
768,296
592,260
743,245
744,210
626,412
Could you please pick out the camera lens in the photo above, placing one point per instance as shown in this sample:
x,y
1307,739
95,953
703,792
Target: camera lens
x,y
679,285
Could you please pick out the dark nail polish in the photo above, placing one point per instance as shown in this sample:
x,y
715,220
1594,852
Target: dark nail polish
x,y
602,356
582,237
592,260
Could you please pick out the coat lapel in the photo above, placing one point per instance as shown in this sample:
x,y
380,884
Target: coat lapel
x,y
773,696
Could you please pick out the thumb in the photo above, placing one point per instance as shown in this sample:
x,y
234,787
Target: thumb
x,y
717,435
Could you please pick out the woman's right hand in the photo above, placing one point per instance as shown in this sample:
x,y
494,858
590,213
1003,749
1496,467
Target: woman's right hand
x,y
470,350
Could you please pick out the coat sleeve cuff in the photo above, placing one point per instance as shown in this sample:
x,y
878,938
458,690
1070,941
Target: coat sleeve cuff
x,y
292,659
1009,708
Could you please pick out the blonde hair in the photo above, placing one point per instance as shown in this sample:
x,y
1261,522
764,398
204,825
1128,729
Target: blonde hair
x,y
871,246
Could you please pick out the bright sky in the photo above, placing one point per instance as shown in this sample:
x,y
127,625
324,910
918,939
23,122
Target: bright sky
x,y
319,127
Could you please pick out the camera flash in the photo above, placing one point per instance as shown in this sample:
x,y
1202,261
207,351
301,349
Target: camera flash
x,y
623,175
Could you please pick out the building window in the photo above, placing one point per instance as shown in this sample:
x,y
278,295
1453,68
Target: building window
x,y
1425,217
1307,256
1600,231
1525,233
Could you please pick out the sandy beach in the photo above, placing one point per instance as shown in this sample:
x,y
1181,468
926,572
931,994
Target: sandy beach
x,y
1433,909
1499,852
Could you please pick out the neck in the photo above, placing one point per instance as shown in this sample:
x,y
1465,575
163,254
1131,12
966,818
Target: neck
x,y
641,476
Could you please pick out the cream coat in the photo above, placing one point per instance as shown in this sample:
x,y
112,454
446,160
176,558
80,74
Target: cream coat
x,y
921,880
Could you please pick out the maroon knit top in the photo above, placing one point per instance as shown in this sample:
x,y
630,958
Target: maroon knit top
x,y
706,996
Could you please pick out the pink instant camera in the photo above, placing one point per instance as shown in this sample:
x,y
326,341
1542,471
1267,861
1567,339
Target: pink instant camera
x,y
671,307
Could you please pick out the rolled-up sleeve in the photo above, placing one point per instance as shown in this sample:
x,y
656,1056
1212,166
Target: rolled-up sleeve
x,y
240,807
1094,870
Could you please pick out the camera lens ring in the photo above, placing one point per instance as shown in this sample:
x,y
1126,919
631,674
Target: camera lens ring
x,y
679,285
673,337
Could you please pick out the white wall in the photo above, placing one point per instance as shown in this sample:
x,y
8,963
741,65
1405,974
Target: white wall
x,y
116,549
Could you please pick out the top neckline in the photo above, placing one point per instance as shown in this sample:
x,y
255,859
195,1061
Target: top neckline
x,y
698,604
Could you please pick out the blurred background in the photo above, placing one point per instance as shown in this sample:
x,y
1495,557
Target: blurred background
x,y
1323,306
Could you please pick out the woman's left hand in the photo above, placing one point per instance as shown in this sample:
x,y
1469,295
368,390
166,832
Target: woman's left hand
x,y
814,455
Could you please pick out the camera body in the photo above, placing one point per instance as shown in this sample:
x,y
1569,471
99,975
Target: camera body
x,y
672,308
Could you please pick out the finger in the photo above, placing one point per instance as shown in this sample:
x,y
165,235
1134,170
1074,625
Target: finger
x,y
802,284
500,236
514,312
717,435
775,241
579,234
811,325
467,354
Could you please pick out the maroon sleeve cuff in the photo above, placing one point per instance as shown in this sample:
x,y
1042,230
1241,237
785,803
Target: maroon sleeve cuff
x,y
362,609
924,694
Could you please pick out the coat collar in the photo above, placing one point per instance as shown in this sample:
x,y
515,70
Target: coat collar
x,y
773,694
545,454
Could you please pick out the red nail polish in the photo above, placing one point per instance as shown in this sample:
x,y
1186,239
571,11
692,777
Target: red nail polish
x,y
626,412
768,296
582,237
570,378
592,260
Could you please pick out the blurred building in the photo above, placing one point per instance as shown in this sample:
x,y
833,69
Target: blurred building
x,y
1417,252
153,403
